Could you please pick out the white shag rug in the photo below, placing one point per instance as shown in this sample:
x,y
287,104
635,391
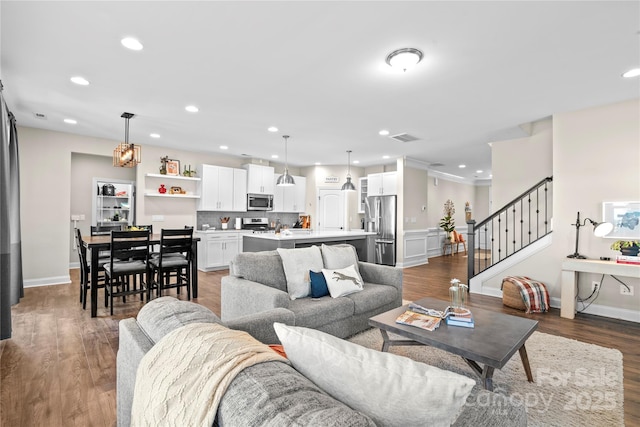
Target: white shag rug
x,y
576,384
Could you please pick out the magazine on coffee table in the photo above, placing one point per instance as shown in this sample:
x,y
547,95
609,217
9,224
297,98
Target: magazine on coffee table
x,y
419,320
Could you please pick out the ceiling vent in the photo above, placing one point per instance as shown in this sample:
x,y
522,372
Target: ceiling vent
x,y
404,137
40,116
436,165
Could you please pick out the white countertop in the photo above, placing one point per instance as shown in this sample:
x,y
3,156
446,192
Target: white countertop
x,y
303,235
219,231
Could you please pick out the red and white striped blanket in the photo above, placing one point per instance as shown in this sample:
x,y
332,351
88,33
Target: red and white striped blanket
x,y
534,294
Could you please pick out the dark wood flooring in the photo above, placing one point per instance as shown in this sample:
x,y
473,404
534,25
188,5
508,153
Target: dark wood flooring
x,y
59,368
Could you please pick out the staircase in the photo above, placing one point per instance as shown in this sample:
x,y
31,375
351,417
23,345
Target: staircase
x,y
512,229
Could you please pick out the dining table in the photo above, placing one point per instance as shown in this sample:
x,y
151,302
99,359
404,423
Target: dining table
x,y
101,243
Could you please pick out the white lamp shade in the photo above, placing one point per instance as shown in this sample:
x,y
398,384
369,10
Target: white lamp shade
x,y
603,229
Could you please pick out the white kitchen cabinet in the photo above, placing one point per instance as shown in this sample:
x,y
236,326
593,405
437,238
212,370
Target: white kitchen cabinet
x,y
363,192
239,190
222,189
216,249
382,184
290,198
259,179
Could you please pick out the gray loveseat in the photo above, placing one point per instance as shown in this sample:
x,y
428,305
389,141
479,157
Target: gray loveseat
x,y
257,283
271,393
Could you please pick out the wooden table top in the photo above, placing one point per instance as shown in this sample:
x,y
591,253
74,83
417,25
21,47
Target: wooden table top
x,y
495,338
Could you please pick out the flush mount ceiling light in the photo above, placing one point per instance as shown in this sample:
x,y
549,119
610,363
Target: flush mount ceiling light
x,y
403,59
632,73
285,180
192,108
272,129
70,121
126,155
348,186
79,80
131,43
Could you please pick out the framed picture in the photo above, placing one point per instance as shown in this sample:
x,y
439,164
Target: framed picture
x,y
173,167
625,217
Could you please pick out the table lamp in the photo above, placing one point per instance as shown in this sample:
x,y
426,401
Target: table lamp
x,y
600,229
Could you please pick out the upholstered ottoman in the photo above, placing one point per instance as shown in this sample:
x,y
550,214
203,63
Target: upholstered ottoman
x,y
511,296
524,293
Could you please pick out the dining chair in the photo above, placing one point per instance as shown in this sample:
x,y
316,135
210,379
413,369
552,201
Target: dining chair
x,y
104,230
129,262
174,261
85,270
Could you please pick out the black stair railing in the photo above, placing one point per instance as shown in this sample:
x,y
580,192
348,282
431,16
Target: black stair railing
x,y
512,228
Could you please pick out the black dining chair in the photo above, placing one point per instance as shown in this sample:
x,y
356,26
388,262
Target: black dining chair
x,y
104,230
174,261
128,266
85,270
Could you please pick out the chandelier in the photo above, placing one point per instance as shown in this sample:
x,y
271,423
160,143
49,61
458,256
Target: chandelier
x,y
126,155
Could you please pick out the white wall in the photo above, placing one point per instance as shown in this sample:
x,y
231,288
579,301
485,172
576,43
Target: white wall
x,y
596,158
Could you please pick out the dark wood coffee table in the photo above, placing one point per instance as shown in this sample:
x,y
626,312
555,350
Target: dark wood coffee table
x,y
490,345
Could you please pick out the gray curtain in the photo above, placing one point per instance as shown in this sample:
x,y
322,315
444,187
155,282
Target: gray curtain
x,y
11,283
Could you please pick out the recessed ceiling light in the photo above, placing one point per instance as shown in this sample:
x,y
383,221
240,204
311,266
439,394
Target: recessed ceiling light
x,y
632,73
191,108
383,132
355,162
479,171
70,121
79,80
317,163
154,135
274,156
224,147
131,43
403,59
462,166
385,157
272,129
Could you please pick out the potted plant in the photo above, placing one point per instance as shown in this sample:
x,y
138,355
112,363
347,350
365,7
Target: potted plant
x,y
447,223
627,247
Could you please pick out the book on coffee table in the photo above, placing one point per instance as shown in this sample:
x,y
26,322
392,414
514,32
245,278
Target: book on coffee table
x,y
465,322
419,320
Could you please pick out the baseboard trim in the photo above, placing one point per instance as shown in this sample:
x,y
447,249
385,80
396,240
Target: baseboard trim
x,y
47,281
594,309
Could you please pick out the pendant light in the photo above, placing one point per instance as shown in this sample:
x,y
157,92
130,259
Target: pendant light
x,y
348,186
285,180
126,155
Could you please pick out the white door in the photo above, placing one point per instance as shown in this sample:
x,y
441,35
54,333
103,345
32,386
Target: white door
x,y
330,210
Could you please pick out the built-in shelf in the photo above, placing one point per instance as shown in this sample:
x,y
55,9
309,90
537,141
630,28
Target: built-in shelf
x,y
176,196
184,178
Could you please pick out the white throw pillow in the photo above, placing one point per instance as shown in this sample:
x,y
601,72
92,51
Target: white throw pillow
x,y
343,281
339,256
391,389
296,264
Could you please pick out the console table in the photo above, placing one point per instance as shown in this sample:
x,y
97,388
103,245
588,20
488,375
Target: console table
x,y
569,279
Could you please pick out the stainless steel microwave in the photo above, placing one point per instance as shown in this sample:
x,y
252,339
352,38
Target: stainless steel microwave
x,y
259,202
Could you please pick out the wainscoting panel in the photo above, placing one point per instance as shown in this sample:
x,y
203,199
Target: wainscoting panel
x,y
415,248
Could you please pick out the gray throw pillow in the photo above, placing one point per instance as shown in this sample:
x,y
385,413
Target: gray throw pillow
x,y
339,256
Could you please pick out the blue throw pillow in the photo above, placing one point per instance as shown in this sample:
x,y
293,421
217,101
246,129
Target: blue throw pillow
x,y
318,285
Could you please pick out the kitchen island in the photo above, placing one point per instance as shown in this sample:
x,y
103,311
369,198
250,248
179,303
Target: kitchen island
x,y
362,240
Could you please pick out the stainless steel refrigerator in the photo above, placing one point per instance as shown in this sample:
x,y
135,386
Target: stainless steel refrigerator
x,y
380,217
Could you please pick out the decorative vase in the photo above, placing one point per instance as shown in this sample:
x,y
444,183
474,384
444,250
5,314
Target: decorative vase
x,y
162,189
224,225
630,251
457,294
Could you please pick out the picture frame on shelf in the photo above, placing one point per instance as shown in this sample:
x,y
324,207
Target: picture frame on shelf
x,y
173,167
625,217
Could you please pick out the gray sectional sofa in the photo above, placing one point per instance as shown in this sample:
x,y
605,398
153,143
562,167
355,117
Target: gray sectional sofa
x,y
257,283
270,393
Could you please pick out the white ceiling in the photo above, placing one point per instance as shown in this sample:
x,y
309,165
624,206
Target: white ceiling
x,y
317,71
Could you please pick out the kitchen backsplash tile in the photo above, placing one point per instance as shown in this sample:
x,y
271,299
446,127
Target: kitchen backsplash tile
x,y
213,218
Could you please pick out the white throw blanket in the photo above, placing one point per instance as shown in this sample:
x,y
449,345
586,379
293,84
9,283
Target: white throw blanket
x,y
181,380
